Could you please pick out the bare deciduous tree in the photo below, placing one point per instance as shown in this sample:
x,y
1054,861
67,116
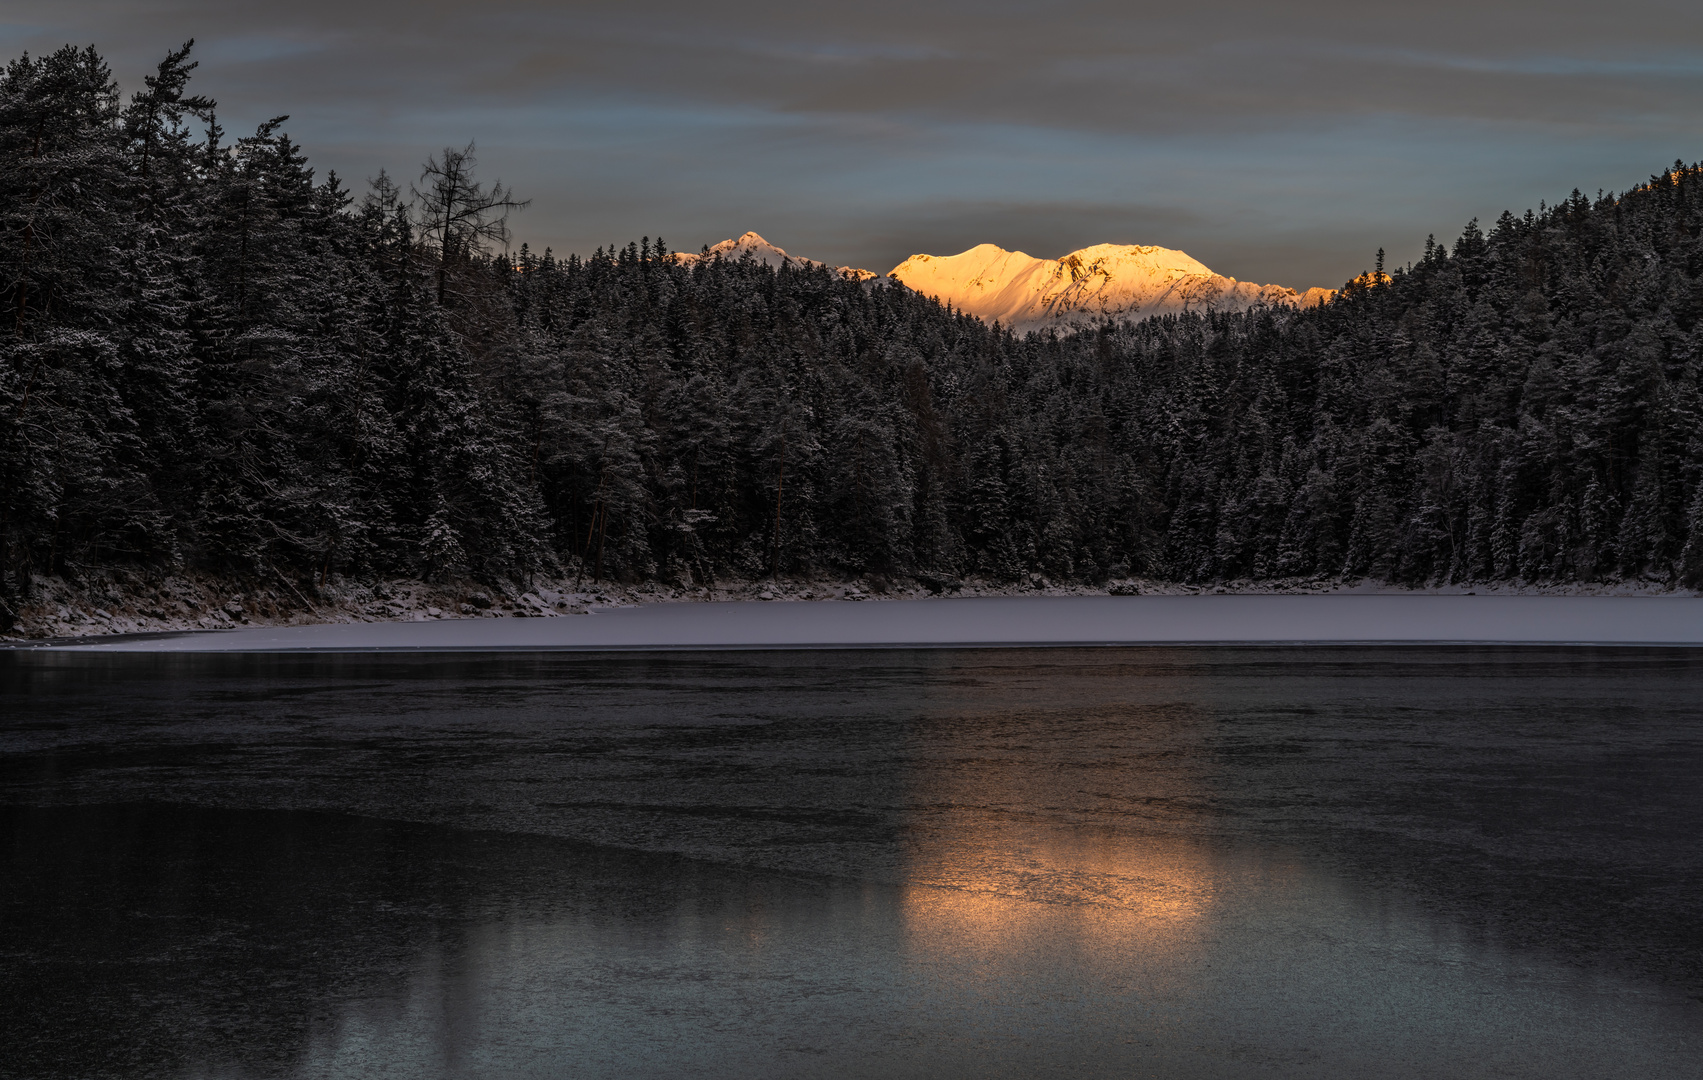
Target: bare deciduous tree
x,y
456,214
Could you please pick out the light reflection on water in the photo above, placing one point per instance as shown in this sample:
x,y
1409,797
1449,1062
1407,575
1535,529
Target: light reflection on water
x,y
1176,863
1187,962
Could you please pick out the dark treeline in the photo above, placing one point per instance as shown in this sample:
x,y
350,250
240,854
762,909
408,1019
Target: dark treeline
x,y
209,359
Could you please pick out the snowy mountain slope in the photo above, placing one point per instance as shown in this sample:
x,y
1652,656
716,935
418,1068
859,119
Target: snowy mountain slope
x,y
1087,286
767,254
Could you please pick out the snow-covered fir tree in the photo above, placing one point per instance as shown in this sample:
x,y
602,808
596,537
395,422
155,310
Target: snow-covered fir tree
x,y
211,358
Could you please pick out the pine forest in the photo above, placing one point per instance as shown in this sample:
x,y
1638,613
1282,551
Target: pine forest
x,y
213,359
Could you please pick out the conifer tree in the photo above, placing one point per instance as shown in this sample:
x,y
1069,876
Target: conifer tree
x,y
210,359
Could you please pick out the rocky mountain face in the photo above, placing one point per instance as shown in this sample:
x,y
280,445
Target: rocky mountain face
x,y
1120,282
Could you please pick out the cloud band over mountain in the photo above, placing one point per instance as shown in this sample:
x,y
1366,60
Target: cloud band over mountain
x,y
1273,142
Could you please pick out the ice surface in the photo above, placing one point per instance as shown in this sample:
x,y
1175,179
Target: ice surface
x,y
998,621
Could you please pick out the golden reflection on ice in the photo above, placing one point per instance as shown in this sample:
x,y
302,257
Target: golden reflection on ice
x,y
988,866
993,891
1159,879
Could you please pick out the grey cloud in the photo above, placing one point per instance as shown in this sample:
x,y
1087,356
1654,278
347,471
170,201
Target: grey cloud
x,y
1116,67
876,129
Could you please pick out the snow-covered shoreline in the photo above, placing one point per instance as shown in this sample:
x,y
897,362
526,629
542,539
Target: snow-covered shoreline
x,y
60,612
994,621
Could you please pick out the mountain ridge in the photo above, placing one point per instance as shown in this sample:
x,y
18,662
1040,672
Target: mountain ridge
x,y
1083,288
1087,286
750,243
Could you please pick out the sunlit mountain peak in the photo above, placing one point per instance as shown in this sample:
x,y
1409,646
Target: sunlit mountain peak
x,y
750,243
1106,281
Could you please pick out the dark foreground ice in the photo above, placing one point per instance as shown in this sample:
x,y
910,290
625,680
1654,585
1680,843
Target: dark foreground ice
x,y
985,621
1173,862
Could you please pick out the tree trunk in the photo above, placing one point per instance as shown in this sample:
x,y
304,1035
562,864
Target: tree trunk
x,y
780,487
602,533
29,237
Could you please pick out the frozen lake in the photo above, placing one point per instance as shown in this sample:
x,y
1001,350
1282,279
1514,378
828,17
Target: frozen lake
x,y
999,621
1416,861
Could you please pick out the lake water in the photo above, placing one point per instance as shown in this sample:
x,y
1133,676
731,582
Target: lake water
x,y
1172,862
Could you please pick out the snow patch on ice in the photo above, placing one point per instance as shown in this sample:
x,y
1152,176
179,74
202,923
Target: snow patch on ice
x,y
981,622
130,605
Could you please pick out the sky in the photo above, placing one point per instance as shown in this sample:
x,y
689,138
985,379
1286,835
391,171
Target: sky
x,y
1277,143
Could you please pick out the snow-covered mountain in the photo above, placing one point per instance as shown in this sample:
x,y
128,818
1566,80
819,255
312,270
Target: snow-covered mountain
x,y
767,254
1085,287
